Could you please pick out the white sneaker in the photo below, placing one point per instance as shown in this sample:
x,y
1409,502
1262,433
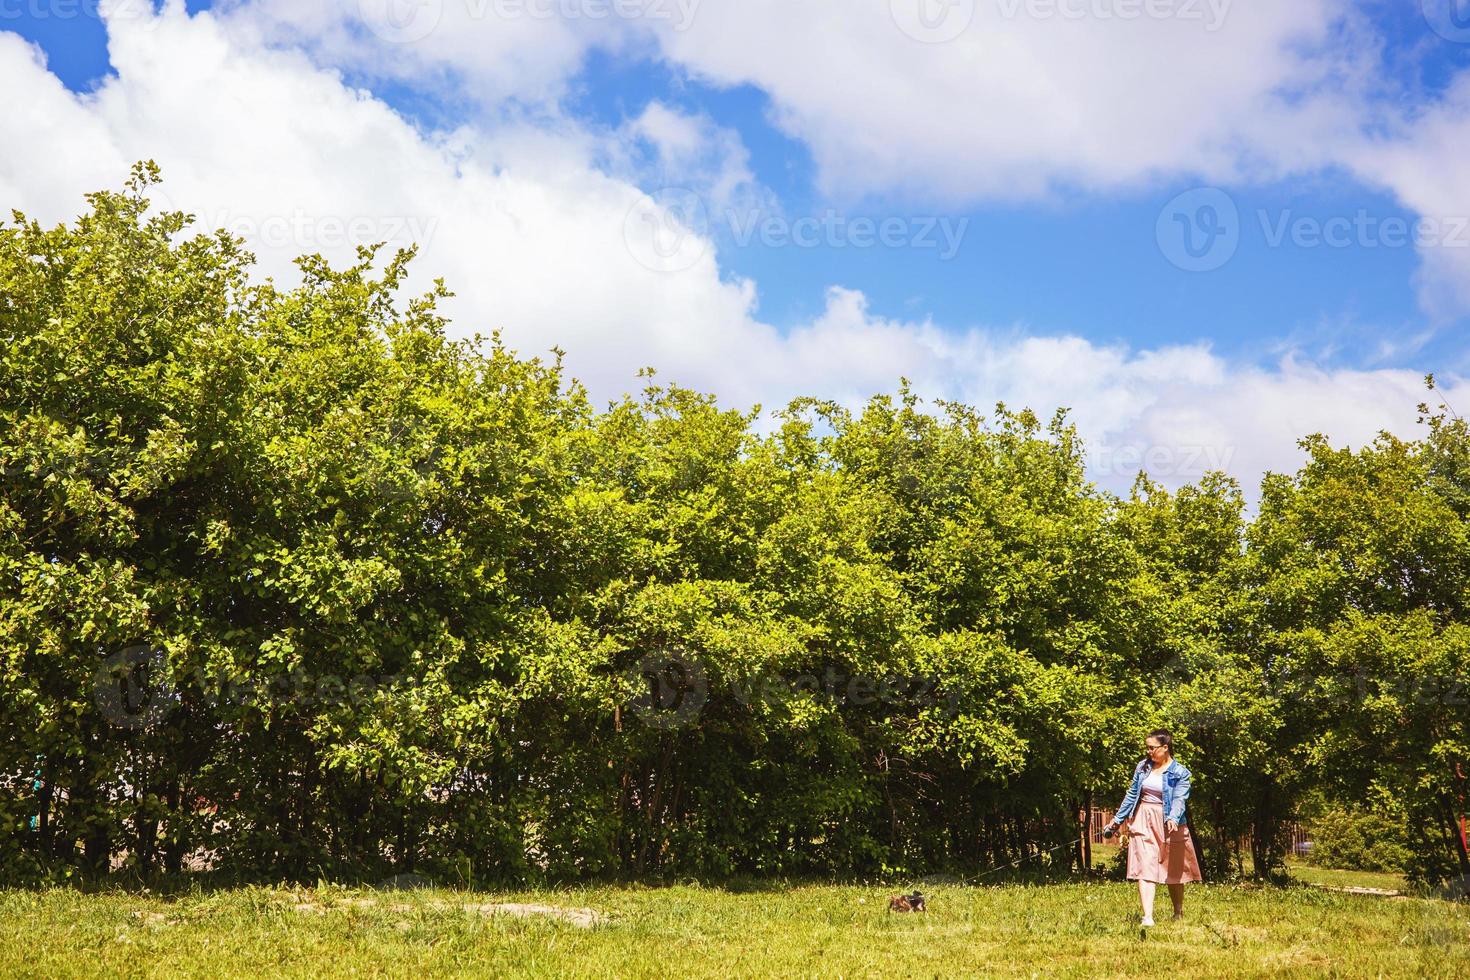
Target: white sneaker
x,y
1147,923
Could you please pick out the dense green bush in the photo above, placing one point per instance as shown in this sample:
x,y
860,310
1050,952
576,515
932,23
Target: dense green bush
x,y
1359,840
293,579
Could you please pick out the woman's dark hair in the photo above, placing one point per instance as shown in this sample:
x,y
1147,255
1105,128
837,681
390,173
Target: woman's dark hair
x,y
1162,736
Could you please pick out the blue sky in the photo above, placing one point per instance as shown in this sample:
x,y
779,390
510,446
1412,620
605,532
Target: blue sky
x,y
1084,263
1081,252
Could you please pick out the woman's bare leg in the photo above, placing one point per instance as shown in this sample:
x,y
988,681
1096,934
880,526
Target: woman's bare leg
x,y
1176,892
1146,898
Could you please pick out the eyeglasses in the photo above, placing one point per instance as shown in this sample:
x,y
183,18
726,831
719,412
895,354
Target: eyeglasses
x,y
1152,748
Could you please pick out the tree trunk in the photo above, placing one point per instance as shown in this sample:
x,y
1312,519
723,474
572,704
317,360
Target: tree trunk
x,y
1199,853
1087,833
173,850
1452,823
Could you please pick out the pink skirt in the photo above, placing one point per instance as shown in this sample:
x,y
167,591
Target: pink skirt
x,y
1154,854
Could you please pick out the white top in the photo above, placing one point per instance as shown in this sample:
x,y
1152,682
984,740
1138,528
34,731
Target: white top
x,y
1154,781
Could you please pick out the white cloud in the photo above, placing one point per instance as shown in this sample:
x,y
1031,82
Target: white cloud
x,y
531,234
1016,105
55,142
1023,96
494,49
689,151
1421,159
1176,411
1033,97
1019,99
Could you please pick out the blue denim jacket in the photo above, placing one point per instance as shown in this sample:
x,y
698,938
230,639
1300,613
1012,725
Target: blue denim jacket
x,y
1176,791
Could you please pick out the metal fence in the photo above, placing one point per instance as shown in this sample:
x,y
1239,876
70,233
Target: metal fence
x,y
1301,841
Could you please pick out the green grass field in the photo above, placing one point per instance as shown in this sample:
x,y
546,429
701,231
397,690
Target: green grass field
x,y
1056,930
1331,878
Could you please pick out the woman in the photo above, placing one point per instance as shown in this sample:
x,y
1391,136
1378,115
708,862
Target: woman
x,y
1159,846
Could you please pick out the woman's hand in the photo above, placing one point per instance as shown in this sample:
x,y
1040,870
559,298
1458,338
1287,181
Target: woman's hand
x,y
1171,825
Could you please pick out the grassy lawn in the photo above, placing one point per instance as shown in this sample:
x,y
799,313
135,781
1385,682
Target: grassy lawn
x,y
1066,930
1103,854
1331,878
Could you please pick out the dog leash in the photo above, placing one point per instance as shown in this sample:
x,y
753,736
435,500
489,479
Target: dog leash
x,y
1006,867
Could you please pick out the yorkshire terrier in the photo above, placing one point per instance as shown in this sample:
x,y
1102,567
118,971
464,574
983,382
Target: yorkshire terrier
x,y
907,903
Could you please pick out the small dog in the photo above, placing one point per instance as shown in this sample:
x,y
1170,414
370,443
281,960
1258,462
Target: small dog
x,y
907,903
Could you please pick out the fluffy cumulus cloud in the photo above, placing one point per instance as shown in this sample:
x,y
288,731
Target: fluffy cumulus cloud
x,y
54,143
963,99
500,51
542,237
960,101
665,147
1420,158
1011,98
1176,411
